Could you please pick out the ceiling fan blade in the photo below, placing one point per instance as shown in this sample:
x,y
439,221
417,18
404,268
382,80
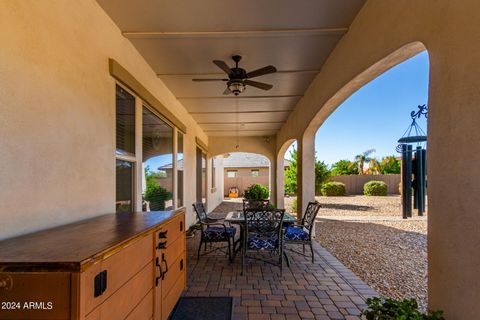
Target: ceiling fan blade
x,y
227,91
222,65
261,71
199,80
259,85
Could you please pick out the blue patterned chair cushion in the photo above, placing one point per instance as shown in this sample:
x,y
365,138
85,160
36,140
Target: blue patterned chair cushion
x,y
296,233
218,233
258,242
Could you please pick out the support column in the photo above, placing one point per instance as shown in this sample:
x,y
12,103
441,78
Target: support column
x,y
280,180
273,181
305,172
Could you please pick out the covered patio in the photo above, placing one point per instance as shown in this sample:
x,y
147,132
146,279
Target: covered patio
x,y
325,289
98,108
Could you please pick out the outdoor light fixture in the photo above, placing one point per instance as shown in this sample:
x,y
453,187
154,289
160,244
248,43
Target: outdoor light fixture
x,y
236,87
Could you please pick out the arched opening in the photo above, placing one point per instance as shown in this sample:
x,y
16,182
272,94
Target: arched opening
x,y
367,233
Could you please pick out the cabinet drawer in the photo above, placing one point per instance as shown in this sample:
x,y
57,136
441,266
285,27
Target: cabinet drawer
x,y
124,301
144,310
175,269
49,291
172,230
173,249
169,301
119,267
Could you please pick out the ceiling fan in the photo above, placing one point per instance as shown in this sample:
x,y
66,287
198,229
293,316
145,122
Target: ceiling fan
x,y
238,78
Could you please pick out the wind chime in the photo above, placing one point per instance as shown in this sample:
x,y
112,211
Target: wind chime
x,y
414,164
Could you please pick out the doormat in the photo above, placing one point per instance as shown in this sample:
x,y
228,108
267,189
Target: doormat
x,y
203,308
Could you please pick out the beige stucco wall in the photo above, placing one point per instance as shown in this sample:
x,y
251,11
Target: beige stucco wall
x,y
57,113
450,30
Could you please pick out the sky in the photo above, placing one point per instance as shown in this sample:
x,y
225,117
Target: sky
x,y
377,115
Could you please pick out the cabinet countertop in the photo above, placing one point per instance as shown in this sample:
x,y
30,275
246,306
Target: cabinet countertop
x,y
70,247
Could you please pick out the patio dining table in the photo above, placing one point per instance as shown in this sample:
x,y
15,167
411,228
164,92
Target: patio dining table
x,y
237,217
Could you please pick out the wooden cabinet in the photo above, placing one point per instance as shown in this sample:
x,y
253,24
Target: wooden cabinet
x,y
170,262
125,267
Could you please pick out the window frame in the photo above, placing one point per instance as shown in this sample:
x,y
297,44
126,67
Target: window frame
x,y
138,157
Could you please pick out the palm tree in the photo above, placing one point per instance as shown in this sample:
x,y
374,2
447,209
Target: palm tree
x,y
374,166
363,158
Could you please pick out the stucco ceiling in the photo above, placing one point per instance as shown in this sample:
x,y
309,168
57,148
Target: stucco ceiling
x,y
179,39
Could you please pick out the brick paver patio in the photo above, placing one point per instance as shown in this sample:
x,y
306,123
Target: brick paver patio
x,y
322,290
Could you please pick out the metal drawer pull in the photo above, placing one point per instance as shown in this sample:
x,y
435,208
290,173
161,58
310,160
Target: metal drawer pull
x,y
157,279
181,265
100,283
162,234
6,283
166,266
162,245
181,225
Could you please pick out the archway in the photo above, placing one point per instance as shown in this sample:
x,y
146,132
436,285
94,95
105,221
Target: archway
x,y
345,227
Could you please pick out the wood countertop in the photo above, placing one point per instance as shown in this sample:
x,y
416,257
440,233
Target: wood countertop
x,y
73,246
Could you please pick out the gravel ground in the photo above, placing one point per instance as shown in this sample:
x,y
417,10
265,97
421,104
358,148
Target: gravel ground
x,y
389,255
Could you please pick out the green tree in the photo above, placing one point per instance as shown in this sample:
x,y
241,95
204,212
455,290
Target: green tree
x,y
344,168
291,174
363,158
154,193
390,165
322,174
373,166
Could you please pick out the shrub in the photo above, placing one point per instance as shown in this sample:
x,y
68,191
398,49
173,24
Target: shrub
x,y
333,189
256,192
385,309
294,205
375,188
157,196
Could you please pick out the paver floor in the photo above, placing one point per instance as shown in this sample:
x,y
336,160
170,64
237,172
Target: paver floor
x,y
324,289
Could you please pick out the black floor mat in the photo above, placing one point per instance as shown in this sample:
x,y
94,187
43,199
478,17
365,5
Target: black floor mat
x,y
203,308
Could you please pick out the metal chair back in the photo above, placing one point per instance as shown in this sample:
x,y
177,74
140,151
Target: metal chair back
x,y
308,219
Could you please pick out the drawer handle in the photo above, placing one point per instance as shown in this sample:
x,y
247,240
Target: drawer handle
x,y
181,265
100,283
162,234
162,245
157,279
181,225
166,266
6,283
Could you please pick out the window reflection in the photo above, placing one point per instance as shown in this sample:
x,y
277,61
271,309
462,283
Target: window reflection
x,y
157,163
124,182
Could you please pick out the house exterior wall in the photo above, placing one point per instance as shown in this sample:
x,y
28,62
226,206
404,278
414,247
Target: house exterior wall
x,y
57,113
244,179
385,33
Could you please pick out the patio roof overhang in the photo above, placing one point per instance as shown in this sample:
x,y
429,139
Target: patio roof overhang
x,y
180,39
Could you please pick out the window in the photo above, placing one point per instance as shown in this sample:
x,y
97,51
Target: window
x,y
125,150
255,172
124,185
125,119
231,173
157,149
180,165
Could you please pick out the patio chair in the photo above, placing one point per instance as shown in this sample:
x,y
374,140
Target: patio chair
x,y
213,231
301,233
263,232
255,205
199,208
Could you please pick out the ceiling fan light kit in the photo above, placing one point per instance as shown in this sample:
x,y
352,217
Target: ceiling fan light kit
x,y
238,78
